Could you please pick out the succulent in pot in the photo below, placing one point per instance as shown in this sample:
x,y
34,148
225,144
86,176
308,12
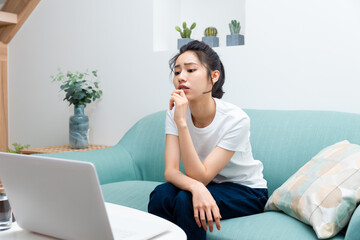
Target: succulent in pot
x,y
235,38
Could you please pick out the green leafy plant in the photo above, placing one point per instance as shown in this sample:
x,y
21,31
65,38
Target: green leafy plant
x,y
187,31
210,31
80,88
18,148
234,27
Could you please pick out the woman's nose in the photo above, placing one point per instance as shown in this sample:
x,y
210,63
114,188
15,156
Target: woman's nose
x,y
182,77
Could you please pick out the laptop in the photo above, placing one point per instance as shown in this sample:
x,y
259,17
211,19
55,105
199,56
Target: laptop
x,y
62,198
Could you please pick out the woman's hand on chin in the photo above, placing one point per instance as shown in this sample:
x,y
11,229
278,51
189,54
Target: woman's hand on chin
x,y
179,99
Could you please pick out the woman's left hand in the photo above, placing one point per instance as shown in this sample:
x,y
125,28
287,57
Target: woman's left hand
x,y
179,99
205,208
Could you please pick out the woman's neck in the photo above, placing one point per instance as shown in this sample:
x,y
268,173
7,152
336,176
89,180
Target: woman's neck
x,y
203,112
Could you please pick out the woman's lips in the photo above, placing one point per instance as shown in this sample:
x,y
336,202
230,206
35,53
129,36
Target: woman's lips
x,y
184,88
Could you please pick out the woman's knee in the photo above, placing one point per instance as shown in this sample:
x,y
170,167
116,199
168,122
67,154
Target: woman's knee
x,y
162,194
163,190
183,200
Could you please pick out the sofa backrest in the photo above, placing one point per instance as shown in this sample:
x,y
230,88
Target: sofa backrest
x,y
283,140
145,142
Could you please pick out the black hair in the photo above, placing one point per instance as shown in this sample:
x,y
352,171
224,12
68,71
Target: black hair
x,y
209,58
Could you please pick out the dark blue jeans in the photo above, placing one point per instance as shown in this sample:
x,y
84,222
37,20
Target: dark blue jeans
x,y
233,200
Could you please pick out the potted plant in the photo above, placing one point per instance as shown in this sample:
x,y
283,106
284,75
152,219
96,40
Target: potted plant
x,y
185,34
210,37
81,88
18,148
235,38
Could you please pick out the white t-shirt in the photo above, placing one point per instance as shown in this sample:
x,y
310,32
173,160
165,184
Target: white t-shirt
x,y
230,129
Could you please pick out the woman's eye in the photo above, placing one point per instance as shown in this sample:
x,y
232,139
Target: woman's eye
x,y
191,70
176,73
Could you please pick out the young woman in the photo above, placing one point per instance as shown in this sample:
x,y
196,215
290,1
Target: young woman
x,y
211,139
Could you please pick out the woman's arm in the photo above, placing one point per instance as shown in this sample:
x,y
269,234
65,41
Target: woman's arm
x,y
202,171
194,168
172,166
204,204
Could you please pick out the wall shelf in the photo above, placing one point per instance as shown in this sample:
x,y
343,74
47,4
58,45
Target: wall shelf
x,y
216,13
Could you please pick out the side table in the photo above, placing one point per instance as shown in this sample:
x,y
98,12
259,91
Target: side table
x,y
61,148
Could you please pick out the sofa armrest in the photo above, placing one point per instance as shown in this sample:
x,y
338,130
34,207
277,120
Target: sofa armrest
x,y
353,230
112,164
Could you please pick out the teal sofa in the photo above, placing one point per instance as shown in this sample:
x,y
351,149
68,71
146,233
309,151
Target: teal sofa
x,y
283,140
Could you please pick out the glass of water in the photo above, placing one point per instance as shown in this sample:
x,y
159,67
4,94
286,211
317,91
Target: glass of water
x,y
5,212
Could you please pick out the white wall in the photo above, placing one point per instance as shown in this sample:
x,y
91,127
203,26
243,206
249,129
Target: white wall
x,y
298,55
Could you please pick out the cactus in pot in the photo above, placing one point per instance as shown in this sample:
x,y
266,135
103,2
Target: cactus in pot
x,y
187,31
185,34
210,31
210,37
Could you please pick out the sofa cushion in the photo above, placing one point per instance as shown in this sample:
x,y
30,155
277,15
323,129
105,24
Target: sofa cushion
x,y
134,194
267,225
325,191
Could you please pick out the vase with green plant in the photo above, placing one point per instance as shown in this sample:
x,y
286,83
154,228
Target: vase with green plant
x,y
185,34
235,38
80,88
210,37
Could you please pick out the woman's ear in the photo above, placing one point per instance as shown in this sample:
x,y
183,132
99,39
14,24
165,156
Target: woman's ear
x,y
215,76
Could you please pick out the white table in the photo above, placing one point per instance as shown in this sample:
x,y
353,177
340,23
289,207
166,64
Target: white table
x,y
175,233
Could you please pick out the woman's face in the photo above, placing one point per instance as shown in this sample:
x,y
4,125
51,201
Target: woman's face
x,y
191,76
